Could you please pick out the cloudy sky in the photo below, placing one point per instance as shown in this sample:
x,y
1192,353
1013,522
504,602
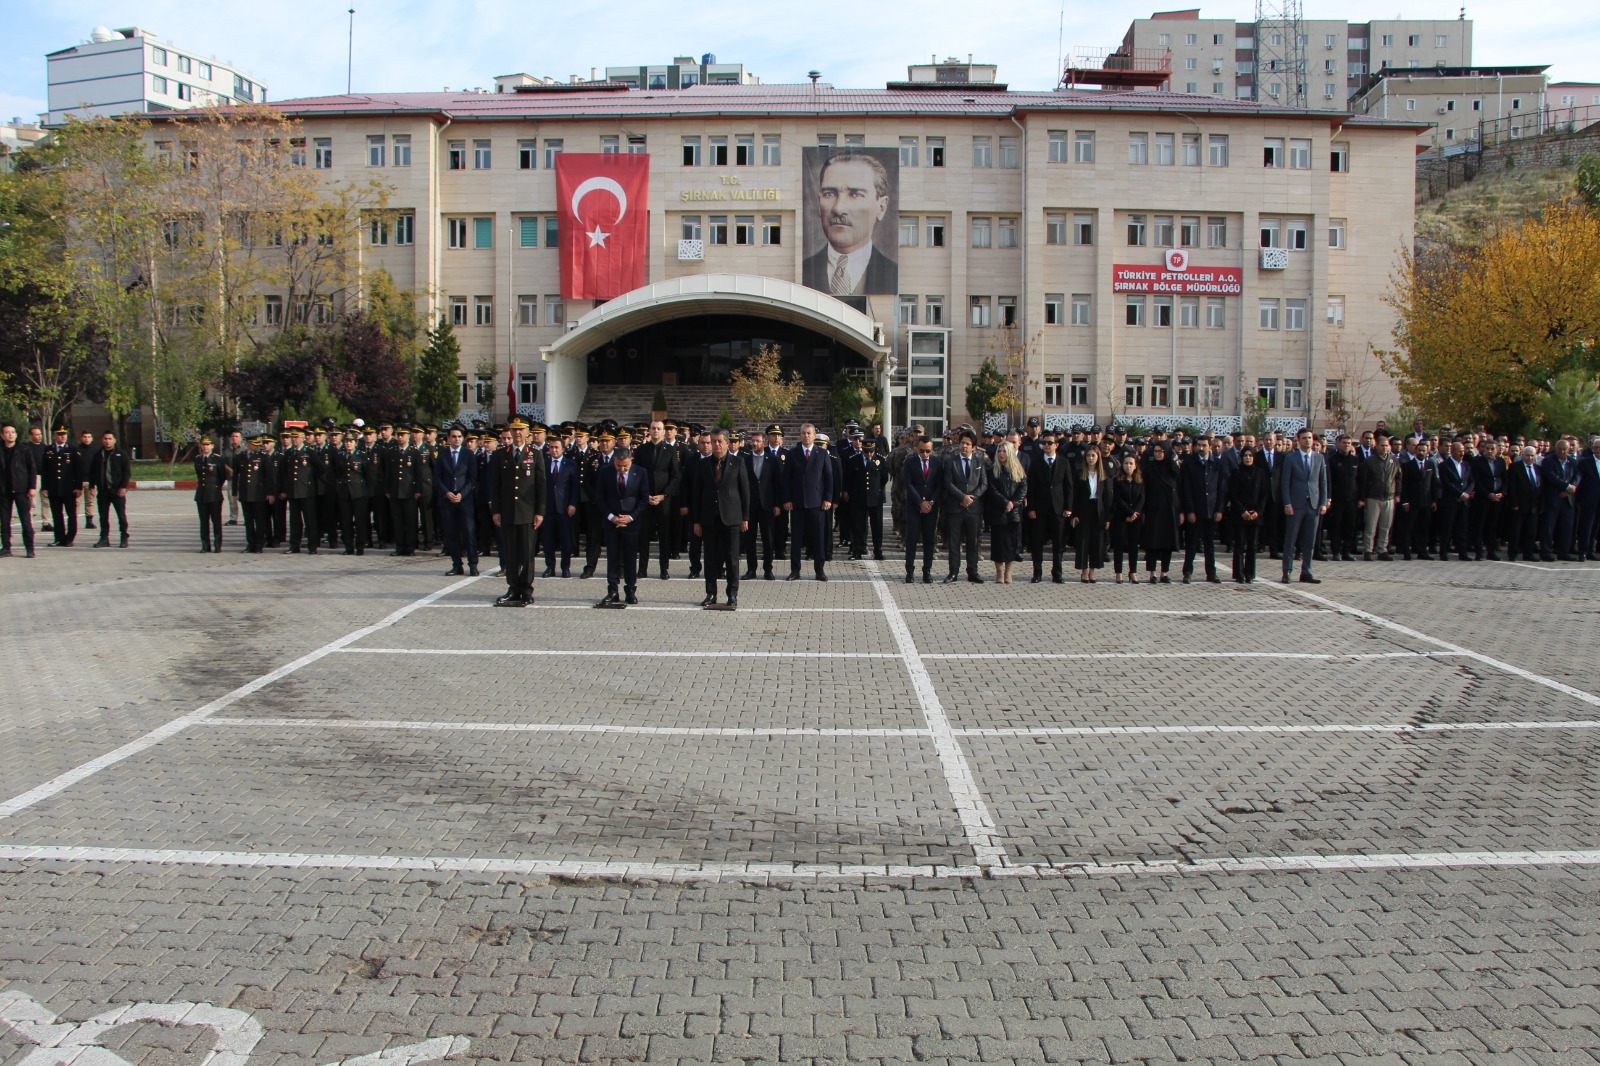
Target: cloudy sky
x,y
298,46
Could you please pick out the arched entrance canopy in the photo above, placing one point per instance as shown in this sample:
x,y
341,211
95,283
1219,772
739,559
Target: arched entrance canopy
x,y
566,366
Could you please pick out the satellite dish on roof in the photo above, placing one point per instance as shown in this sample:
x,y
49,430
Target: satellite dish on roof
x,y
101,35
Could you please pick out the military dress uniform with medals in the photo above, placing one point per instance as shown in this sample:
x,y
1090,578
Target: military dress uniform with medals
x,y
210,489
58,478
519,501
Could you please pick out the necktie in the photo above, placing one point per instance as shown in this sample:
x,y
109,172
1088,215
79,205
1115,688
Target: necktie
x,y
924,469
841,277
622,484
719,471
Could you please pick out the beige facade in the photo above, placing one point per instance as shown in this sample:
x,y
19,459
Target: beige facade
x,y
1012,206
1463,105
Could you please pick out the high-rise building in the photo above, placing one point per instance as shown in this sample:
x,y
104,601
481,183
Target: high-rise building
x,y
118,72
1222,57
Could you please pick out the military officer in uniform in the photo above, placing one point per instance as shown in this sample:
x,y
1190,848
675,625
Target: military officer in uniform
x,y
400,489
350,470
258,482
299,484
424,443
210,487
865,475
58,478
519,500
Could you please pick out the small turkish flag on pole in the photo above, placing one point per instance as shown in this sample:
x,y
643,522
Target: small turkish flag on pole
x,y
604,231
511,388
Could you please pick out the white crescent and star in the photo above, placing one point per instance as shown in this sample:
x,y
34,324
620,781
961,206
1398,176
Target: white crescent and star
x,y
597,236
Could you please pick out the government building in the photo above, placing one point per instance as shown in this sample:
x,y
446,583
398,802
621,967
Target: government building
x,y
1148,257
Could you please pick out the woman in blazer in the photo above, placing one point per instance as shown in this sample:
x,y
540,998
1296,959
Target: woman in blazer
x,y
1127,517
1161,515
1091,512
1005,501
1249,496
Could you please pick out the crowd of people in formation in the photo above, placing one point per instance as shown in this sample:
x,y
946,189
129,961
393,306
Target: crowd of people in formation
x,y
613,500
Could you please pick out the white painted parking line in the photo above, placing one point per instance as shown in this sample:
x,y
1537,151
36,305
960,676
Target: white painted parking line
x,y
630,653
972,808
807,872
1198,611
558,727
64,781
1550,569
1315,727
1323,656
702,610
1385,623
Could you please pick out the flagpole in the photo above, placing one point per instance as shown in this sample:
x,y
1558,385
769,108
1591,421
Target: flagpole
x,y
511,322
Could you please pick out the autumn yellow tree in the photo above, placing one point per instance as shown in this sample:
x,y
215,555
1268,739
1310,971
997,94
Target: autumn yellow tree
x,y
1486,330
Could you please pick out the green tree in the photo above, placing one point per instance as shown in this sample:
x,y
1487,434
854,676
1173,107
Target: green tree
x,y
845,397
1572,405
322,405
1587,181
761,392
725,418
988,391
438,388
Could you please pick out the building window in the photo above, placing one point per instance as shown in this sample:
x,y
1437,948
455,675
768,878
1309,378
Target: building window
x,y
1414,40
483,233
936,232
1268,314
717,152
1297,234
1055,229
1138,149
527,310
744,150
480,155
982,152
1188,388
1082,229
907,315
1299,154
405,228
1218,147
1336,233
1211,397
1189,231
1078,396
552,231
610,144
1133,311
717,230
1339,159
771,150
1388,40
528,231
158,56
1008,311
1055,308
1137,231
1053,390
1057,145
1189,312
744,229
933,310
1294,318
552,148
1083,146
457,228
158,84
527,154
323,158
1191,149
273,310
690,228
1164,150
1080,309
483,310
1133,390
1271,233
978,307
1160,390
980,233
378,232
555,311
1336,311
935,151
458,310
527,388
1008,232
184,65
1333,395
772,230
1008,153
1162,306
910,151
185,92
456,155
1272,153
1216,312
1267,390
402,149
910,227
1162,236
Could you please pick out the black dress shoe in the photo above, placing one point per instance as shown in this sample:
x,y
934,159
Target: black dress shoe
x,y
630,598
454,571
768,575
549,571
311,551
733,600
1165,580
349,551
951,579
710,600
821,576
1285,579
927,579
472,571
566,571
1214,579
586,573
911,579
975,579
664,575
608,599
1307,579
1036,579
1058,579
231,522
748,575
793,577
507,600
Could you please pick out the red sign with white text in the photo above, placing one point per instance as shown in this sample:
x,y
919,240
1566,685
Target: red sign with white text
x,y
1192,281
604,232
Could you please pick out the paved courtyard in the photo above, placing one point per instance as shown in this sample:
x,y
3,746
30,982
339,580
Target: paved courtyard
x,y
334,810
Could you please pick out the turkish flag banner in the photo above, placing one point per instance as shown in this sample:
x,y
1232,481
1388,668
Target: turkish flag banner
x,y
603,201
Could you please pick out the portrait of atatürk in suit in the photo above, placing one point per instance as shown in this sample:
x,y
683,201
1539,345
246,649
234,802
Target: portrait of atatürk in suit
x,y
852,221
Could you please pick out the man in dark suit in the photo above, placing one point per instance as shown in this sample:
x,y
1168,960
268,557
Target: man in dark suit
x,y
1344,475
111,473
1456,490
966,479
920,481
623,497
852,198
519,503
1559,488
1302,492
1525,496
58,478
1588,500
1049,499
455,479
808,497
1488,472
657,458
766,503
693,465
721,512
1417,491
1202,489
561,507
18,471
210,485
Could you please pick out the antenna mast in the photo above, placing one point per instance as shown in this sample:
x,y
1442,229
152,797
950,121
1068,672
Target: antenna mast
x,y
1281,52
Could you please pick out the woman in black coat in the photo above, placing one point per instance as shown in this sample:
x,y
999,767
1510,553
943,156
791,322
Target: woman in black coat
x,y
1004,504
1127,517
1091,511
1249,496
1161,517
